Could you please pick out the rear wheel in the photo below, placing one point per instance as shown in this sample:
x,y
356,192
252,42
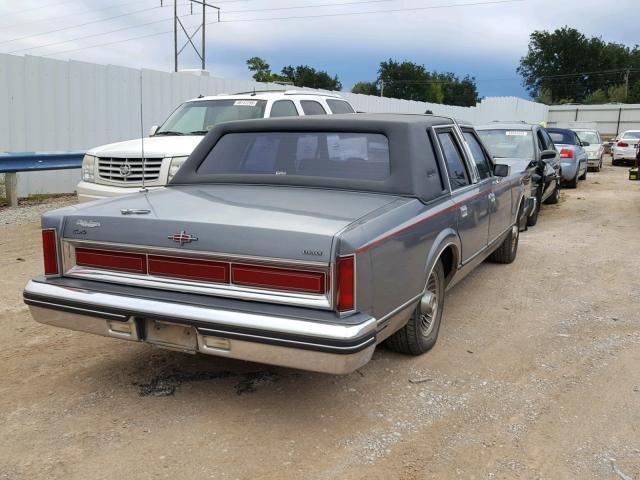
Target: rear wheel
x,y
573,183
599,167
508,249
533,218
584,175
420,333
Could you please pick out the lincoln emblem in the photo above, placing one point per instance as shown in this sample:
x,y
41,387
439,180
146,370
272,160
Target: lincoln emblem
x,y
182,238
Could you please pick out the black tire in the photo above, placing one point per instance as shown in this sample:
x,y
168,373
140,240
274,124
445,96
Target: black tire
x,y
555,196
584,175
599,167
614,162
533,218
573,183
508,249
420,333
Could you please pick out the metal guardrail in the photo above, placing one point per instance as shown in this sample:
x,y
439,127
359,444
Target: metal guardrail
x,y
12,163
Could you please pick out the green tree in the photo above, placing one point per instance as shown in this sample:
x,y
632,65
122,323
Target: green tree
x,y
567,65
366,88
305,76
411,81
261,70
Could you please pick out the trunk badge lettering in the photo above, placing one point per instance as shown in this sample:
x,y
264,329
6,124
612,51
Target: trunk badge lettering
x,y
87,223
182,238
315,253
134,211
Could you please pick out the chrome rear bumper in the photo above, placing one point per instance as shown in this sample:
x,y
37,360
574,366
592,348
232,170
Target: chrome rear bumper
x,y
290,342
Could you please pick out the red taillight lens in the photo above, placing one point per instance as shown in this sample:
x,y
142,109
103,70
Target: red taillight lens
x,y
345,298
50,251
566,153
278,278
623,144
111,260
189,269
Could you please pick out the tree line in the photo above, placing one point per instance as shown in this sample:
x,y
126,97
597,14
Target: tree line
x,y
405,80
566,66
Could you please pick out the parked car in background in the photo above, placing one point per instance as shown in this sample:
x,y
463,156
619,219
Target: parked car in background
x,y
117,168
625,148
530,151
297,242
573,157
592,144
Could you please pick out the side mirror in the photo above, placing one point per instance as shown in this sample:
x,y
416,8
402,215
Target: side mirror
x,y
153,130
502,170
548,155
585,144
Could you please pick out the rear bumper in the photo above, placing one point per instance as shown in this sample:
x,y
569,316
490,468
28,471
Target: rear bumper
x,y
286,341
88,191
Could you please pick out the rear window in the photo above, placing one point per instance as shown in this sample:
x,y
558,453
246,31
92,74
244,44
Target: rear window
x,y
565,138
340,106
361,156
631,135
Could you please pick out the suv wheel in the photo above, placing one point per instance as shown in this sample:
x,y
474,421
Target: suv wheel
x,y
420,333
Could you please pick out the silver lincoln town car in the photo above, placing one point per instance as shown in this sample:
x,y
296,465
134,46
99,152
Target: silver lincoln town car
x,y
298,242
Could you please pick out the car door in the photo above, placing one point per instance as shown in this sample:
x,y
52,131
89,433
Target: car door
x,y
471,197
500,217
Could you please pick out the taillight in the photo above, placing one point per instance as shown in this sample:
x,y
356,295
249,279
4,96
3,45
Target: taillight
x,y
111,260
623,144
50,250
278,278
189,269
566,153
345,272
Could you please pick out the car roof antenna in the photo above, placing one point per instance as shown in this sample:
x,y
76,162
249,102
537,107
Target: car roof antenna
x,y
144,161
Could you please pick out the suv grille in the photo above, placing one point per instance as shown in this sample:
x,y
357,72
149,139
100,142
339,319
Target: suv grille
x,y
129,170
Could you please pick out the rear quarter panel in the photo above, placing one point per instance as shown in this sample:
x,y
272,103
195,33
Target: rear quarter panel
x,y
396,251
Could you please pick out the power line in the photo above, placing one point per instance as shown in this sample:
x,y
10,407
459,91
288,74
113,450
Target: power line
x,y
67,15
78,25
373,12
306,6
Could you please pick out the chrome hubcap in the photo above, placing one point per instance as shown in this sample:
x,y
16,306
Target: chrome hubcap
x,y
429,306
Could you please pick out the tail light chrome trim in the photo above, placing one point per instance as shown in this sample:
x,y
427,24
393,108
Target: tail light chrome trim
x,y
323,301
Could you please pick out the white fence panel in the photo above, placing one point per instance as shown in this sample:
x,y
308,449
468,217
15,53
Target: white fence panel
x,y
51,104
610,119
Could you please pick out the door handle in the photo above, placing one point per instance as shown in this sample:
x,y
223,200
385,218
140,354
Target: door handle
x,y
464,211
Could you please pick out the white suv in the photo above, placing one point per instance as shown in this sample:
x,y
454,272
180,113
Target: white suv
x,y
116,169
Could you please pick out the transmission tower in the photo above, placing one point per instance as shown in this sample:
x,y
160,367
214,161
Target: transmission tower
x,y
191,36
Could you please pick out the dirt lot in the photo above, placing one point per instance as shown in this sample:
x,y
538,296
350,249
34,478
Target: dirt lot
x,y
536,375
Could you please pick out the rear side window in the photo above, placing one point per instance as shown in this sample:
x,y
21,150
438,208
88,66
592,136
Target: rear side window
x,y
311,107
283,108
458,176
479,157
361,156
340,106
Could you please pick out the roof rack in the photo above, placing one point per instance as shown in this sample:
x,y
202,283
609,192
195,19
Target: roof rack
x,y
285,92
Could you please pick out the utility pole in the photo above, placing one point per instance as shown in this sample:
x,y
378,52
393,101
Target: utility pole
x,y
190,37
626,85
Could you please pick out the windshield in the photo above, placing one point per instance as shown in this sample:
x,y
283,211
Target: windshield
x,y
591,137
631,135
362,156
508,143
197,118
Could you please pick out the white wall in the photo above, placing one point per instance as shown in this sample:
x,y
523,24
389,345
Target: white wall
x,y
49,104
609,119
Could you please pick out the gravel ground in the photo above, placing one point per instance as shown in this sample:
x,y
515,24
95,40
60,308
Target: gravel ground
x,y
536,375
24,214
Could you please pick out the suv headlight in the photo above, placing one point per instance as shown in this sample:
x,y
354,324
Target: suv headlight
x,y
174,166
88,168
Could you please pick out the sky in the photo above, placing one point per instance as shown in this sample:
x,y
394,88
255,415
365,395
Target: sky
x,y
349,38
